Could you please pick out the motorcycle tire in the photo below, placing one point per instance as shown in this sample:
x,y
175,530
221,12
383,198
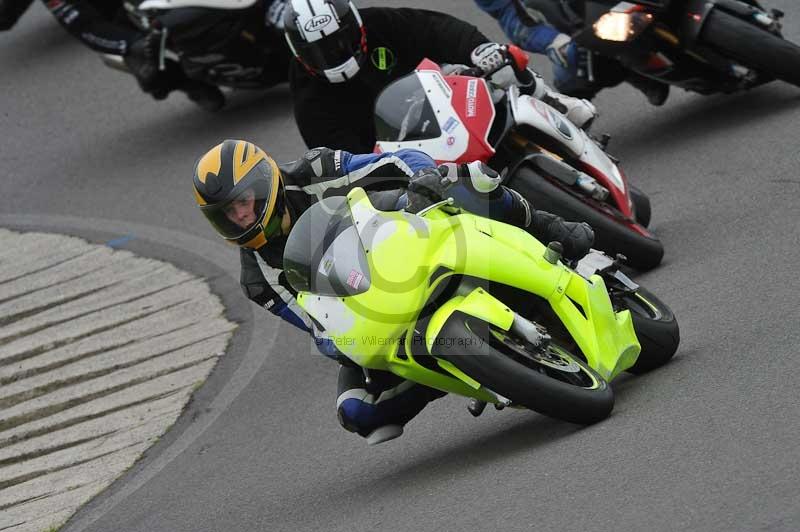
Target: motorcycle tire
x,y
527,376
752,46
611,236
641,206
655,326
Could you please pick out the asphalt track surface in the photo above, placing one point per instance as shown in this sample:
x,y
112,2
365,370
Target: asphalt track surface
x,y
708,442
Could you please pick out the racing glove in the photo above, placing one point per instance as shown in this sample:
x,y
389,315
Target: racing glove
x,y
142,58
435,184
474,187
490,56
558,51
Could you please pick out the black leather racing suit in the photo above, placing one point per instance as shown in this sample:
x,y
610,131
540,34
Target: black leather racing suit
x,y
96,23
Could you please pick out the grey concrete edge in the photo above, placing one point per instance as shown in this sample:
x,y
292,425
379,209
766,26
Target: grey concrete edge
x,y
220,255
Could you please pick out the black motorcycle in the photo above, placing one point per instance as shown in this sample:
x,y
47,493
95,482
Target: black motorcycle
x,y
222,43
705,46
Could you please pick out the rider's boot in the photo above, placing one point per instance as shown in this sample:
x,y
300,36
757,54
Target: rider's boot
x,y
576,237
579,111
655,91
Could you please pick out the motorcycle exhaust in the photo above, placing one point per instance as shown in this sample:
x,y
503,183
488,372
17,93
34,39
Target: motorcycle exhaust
x,y
569,176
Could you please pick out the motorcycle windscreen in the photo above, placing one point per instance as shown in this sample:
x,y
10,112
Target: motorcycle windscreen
x,y
324,254
403,112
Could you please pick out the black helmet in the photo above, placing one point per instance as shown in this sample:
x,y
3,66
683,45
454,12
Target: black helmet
x,y
239,189
327,36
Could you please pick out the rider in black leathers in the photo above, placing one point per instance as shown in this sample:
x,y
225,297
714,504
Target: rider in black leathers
x,y
342,67
102,25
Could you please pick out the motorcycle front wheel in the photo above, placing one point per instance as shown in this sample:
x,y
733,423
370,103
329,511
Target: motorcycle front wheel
x,y
655,326
611,235
550,380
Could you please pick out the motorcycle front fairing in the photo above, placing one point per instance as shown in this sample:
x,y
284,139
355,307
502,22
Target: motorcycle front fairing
x,y
406,255
459,114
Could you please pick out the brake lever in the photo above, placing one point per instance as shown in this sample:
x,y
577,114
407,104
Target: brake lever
x,y
429,208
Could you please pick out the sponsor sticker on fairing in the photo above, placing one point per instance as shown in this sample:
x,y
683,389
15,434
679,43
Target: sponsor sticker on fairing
x,y
450,125
441,84
472,97
354,279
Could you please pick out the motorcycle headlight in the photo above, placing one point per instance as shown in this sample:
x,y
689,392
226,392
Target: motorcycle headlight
x,y
621,26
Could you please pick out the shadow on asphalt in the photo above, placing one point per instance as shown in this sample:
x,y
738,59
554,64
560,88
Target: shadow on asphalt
x,y
627,385
708,115
190,123
41,42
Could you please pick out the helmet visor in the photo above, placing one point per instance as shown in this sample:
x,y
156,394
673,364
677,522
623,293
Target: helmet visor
x,y
235,217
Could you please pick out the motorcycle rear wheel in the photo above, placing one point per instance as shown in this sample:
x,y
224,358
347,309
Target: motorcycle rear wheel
x,y
611,236
551,381
655,326
752,46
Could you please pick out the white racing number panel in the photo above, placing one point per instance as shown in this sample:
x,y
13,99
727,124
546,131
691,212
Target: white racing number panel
x,y
99,352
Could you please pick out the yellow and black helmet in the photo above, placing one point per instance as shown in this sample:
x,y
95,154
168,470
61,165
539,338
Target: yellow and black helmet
x,y
239,189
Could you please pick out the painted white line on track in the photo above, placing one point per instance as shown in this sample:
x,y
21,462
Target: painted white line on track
x,y
99,352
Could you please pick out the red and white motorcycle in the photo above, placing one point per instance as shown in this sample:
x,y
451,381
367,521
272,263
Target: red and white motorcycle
x,y
540,153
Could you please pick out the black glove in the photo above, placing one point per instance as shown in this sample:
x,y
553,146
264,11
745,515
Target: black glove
x,y
142,60
433,184
429,186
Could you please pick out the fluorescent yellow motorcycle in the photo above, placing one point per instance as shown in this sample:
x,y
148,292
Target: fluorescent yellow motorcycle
x,y
474,307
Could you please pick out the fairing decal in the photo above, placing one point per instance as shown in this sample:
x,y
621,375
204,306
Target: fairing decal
x,y
596,163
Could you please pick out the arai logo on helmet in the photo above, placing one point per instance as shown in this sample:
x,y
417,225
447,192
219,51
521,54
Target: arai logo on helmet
x,y
317,23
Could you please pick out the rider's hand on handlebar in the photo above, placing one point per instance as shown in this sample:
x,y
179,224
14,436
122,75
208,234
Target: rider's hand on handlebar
x,y
489,57
429,186
433,184
503,65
